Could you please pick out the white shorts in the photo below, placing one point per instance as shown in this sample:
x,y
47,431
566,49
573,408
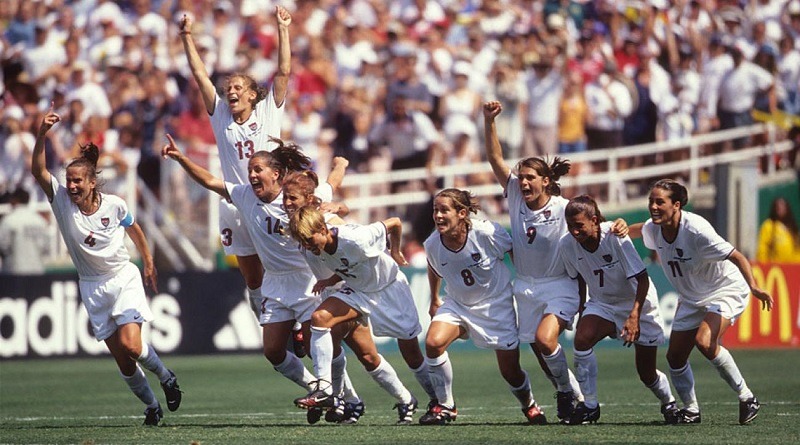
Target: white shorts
x,y
491,324
689,316
114,301
390,312
232,232
288,297
651,327
558,296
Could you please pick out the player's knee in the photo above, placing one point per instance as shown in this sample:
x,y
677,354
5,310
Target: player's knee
x,y
274,355
369,360
547,343
582,343
321,319
704,343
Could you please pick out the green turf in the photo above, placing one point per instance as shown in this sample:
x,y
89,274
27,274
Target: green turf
x,y
239,399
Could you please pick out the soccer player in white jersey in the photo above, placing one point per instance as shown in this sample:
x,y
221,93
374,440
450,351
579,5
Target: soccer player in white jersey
x,y
93,225
376,293
622,304
478,304
547,299
243,123
714,282
287,281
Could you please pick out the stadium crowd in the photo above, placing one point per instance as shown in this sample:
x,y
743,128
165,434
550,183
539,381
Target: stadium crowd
x,y
392,85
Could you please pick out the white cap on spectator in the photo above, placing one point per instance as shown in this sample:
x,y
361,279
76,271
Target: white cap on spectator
x,y
152,25
115,61
457,125
80,65
225,6
207,42
660,4
14,112
793,8
462,67
130,31
555,21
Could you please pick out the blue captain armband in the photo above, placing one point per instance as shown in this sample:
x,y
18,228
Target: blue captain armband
x,y
127,221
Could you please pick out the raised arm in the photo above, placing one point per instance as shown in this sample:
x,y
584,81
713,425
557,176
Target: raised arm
x,y
196,64
137,236
493,151
38,161
281,81
199,174
336,176
744,267
394,228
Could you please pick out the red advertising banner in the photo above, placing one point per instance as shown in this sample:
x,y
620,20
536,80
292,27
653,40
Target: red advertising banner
x,y
779,328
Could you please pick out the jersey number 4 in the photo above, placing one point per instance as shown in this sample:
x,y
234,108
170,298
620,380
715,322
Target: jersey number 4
x,y
90,240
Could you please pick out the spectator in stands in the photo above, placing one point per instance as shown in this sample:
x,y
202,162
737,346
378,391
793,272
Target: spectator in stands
x,y
17,145
461,106
405,82
408,133
545,85
789,73
507,86
778,237
573,114
24,238
611,103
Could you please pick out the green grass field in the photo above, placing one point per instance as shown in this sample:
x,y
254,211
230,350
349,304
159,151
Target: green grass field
x,y
239,399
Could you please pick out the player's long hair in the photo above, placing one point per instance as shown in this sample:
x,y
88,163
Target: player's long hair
x,y
554,171
583,204
250,82
306,181
305,222
677,191
462,200
90,153
284,159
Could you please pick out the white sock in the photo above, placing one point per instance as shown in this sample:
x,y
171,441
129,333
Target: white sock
x,y
348,391
441,372
338,369
523,392
423,377
292,368
322,353
683,380
149,359
586,373
386,377
576,387
730,373
660,388
140,387
557,362
255,298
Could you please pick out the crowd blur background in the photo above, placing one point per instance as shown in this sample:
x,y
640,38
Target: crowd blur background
x,y
391,84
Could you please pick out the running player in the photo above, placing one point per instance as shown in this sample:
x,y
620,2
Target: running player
x,y
376,293
714,282
243,124
93,225
623,305
287,281
547,299
479,303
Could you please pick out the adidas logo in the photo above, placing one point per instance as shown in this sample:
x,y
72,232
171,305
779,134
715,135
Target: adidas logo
x,y
242,331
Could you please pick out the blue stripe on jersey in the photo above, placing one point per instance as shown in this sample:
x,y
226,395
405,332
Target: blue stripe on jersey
x,y
127,221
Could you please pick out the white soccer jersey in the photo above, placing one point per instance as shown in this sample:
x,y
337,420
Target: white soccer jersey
x,y
608,271
361,259
237,142
267,224
535,233
96,242
476,271
695,263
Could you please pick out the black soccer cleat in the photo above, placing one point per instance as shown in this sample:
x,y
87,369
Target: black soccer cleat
x,y
439,415
583,414
313,415
172,392
317,398
748,410
152,416
336,414
564,405
405,411
535,415
353,412
688,417
670,412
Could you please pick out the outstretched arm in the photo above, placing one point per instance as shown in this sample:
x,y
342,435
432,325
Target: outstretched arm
x,y
394,228
137,236
744,267
196,64
38,161
281,80
199,174
493,151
